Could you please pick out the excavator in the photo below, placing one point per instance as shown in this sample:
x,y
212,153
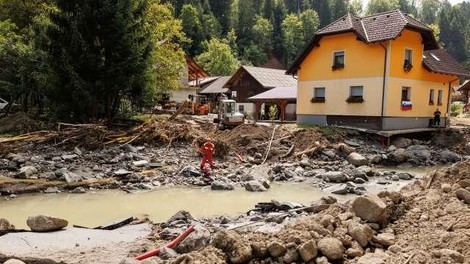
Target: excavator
x,y
227,115
199,105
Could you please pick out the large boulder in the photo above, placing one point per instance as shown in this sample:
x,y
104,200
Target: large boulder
x,y
357,159
43,223
196,240
419,153
26,172
370,209
334,176
384,239
331,247
449,156
361,233
308,250
463,194
399,155
467,148
255,186
218,185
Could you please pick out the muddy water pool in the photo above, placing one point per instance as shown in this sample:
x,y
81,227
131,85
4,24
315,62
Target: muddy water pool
x,y
102,207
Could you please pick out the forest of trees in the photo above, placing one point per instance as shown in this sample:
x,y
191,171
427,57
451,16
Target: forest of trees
x,y
85,59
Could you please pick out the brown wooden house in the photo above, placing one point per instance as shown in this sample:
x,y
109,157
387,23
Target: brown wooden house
x,y
249,81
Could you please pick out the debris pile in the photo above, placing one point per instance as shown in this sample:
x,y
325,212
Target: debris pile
x,y
427,222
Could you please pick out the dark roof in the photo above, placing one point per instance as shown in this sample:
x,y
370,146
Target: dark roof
x,y
217,86
464,87
267,77
288,92
440,61
370,29
203,81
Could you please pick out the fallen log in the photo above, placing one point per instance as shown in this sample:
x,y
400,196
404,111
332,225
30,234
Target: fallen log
x,y
307,151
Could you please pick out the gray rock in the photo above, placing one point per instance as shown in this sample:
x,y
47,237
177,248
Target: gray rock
x,y
260,172
77,151
223,186
43,223
308,250
359,180
370,208
14,261
329,153
198,239
420,153
140,163
26,172
190,171
384,239
331,247
467,148
129,148
399,155
376,159
449,156
463,195
167,253
70,157
334,176
357,159
266,183
122,172
72,177
255,186
5,225
395,178
52,190
276,249
405,176
180,216
79,190
402,142
361,233
338,189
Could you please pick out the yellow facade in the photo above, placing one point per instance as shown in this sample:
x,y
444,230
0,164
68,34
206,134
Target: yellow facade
x,y
315,71
317,65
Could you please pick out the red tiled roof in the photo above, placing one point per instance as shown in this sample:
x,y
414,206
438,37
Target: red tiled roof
x,y
440,61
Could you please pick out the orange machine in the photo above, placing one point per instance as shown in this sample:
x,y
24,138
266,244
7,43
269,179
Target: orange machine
x,y
199,105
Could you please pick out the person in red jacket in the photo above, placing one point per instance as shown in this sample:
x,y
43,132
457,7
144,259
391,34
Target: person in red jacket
x,y
208,150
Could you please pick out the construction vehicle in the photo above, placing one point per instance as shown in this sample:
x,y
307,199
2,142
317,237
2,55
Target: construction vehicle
x,y
199,105
227,114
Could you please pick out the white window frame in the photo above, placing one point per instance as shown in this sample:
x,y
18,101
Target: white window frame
x,y
431,96
356,86
344,57
411,58
408,93
315,92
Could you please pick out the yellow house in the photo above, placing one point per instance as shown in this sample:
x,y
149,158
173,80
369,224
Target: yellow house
x,y
381,72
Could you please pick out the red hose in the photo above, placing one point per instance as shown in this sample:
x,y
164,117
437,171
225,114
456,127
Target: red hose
x,y
172,244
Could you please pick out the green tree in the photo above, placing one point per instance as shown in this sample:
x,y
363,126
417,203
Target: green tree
x,y
310,23
218,58
452,31
102,54
293,36
262,33
323,10
379,6
355,7
338,8
168,59
429,11
408,7
193,29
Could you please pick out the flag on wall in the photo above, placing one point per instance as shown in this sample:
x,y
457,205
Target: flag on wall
x,y
406,105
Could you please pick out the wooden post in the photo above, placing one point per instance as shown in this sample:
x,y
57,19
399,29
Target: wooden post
x,y
283,105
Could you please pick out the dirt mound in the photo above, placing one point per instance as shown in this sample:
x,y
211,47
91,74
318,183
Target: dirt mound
x,y
19,123
306,138
451,138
